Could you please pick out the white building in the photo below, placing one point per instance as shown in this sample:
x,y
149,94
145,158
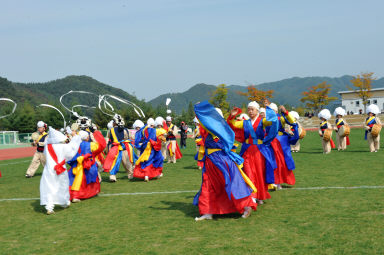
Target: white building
x,y
351,102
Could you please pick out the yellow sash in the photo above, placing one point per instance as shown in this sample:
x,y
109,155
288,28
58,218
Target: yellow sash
x,y
78,173
369,120
201,153
145,155
325,122
338,122
41,136
160,131
115,140
259,141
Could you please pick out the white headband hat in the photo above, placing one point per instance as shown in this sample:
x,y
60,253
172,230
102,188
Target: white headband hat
x,y
244,116
373,109
262,109
220,112
195,120
325,113
295,115
254,104
150,122
339,111
168,118
159,121
138,124
83,134
273,106
134,125
110,124
40,124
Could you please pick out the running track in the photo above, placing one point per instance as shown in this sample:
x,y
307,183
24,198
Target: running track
x,y
23,152
13,153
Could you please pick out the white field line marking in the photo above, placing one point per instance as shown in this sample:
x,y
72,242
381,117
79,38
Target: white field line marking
x,y
14,163
193,191
147,193
320,188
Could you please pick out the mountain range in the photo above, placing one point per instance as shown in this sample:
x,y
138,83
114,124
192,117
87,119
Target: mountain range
x,y
286,92
50,92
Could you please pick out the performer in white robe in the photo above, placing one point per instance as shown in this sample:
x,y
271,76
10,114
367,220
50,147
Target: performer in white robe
x,y
54,181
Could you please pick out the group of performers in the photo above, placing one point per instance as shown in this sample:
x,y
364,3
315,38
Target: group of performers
x,y
234,182
83,148
80,148
231,182
372,126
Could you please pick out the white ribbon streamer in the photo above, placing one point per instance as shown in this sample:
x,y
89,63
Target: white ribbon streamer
x,y
14,106
167,102
75,91
51,106
104,98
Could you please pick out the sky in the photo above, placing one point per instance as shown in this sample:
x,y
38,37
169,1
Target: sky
x,y
152,47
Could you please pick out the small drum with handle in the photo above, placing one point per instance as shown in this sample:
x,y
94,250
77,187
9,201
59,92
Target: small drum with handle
x,y
35,136
344,130
376,130
302,133
327,135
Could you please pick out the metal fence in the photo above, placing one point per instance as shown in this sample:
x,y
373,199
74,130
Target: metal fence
x,y
9,137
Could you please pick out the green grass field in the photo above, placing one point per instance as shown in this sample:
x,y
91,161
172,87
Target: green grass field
x,y
294,221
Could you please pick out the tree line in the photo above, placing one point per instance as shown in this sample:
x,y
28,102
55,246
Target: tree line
x,y
315,97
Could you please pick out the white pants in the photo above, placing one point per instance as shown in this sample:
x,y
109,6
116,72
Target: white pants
x,y
341,142
373,142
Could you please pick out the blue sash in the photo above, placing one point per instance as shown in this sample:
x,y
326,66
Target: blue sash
x,y
211,120
285,145
373,121
265,148
90,174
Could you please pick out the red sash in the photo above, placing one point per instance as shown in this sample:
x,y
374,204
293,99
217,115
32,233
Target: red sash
x,y
59,167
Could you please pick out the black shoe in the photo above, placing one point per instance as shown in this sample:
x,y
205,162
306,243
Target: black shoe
x,y
28,176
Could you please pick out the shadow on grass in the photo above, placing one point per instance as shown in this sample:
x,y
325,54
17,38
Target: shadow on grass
x,y
142,180
106,178
308,152
349,151
187,208
41,209
227,216
192,167
37,207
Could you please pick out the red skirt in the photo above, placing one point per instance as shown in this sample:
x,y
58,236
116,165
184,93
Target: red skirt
x,y
282,174
254,168
86,190
213,197
149,171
